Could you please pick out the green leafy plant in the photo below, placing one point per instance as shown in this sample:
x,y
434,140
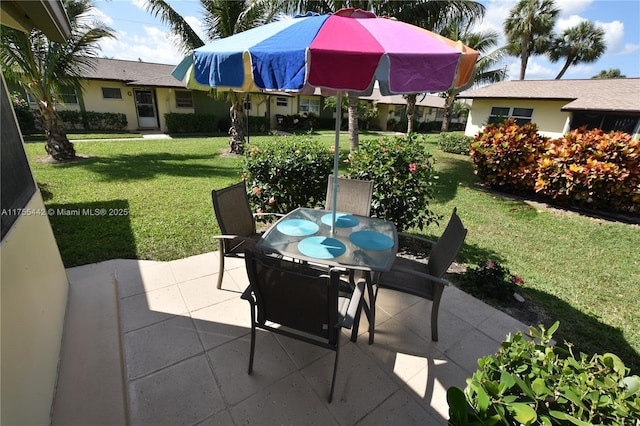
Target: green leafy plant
x,y
593,169
191,123
506,155
25,115
455,143
528,381
403,178
490,279
287,172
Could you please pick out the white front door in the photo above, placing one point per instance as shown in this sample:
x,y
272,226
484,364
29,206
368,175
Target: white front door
x,y
146,107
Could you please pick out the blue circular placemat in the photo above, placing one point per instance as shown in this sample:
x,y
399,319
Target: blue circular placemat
x,y
297,227
371,240
343,220
321,247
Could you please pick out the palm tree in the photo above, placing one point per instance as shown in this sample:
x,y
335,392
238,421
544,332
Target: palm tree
x,y
528,29
610,73
582,43
485,72
222,19
44,69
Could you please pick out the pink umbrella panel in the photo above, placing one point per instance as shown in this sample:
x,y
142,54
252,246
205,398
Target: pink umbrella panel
x,y
347,51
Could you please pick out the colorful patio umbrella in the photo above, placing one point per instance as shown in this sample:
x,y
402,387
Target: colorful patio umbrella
x,y
349,51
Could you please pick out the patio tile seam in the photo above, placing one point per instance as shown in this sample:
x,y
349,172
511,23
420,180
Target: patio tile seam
x,y
164,367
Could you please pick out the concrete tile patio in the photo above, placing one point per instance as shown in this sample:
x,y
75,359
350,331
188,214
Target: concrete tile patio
x,y
152,343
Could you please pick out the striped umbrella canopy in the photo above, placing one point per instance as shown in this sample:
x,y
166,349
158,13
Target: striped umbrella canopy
x,y
348,51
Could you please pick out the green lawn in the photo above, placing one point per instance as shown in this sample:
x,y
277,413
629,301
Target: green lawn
x,y
156,193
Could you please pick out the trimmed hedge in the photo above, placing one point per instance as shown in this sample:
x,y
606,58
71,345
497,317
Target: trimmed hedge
x,y
455,143
91,120
585,168
191,123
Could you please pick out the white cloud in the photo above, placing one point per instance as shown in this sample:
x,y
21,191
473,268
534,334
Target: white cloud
x,y
154,46
568,22
198,26
572,7
96,14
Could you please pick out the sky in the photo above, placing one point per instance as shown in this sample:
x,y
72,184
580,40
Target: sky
x,y
141,36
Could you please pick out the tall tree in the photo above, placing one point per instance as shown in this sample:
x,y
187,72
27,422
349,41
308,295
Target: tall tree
x,y
582,43
485,71
528,29
610,73
45,69
222,19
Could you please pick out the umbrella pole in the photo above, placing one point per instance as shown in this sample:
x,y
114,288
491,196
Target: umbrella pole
x,y
336,159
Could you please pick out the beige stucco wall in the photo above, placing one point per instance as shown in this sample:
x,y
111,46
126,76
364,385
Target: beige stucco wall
x,y
551,120
33,303
93,101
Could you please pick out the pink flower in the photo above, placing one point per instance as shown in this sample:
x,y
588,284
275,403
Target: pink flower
x,y
413,167
491,264
384,149
517,280
272,200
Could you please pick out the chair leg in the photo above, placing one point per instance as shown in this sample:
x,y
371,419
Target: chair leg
x,y
335,369
435,307
221,254
253,346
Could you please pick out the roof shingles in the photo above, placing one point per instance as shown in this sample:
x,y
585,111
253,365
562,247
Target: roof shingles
x,y
620,94
134,73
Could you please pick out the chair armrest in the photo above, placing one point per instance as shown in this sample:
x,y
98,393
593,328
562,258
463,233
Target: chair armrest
x,y
421,275
268,214
415,237
232,237
247,295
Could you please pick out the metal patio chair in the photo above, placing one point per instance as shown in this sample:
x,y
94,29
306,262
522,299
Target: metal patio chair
x,y
426,280
237,223
354,196
306,302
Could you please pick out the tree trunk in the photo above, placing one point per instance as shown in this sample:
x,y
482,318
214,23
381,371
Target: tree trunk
x,y
58,145
565,67
411,110
446,116
353,123
523,64
238,125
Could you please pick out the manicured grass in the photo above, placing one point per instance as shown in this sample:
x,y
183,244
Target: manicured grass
x,y
584,271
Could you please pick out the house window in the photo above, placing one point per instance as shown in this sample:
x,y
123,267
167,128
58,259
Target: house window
x,y
111,93
606,122
30,99
521,115
309,105
184,99
419,112
281,102
68,95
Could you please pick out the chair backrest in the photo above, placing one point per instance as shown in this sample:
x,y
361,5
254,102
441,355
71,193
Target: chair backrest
x,y
445,250
294,295
354,196
231,206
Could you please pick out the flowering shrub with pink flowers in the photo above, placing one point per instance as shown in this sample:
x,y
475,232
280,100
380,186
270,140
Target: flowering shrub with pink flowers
x,y
492,280
403,178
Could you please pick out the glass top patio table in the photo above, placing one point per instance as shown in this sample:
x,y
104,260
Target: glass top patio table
x,y
358,242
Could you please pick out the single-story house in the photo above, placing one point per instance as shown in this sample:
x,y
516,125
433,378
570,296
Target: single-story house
x,y
558,106
145,92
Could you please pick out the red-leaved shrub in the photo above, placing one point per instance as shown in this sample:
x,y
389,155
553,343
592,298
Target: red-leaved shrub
x,y
506,155
586,168
592,169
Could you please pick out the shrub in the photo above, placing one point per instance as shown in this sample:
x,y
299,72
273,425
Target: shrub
x,y
191,123
592,168
506,155
287,172
492,280
24,114
92,120
529,382
403,178
258,124
454,143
